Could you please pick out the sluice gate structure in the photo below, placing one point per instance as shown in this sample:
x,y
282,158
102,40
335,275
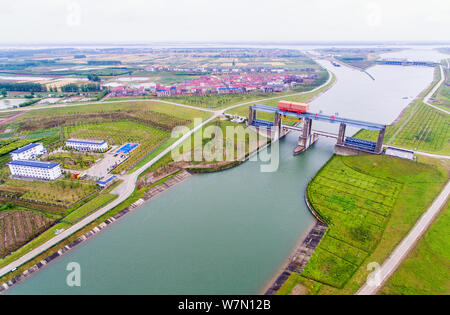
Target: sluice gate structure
x,y
344,145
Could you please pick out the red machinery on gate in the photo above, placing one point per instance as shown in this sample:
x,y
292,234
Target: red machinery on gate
x,y
299,108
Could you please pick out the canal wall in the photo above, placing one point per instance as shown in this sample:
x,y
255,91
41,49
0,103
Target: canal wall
x,y
301,255
149,194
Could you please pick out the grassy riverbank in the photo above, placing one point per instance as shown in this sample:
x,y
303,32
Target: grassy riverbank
x,y
426,270
420,127
370,204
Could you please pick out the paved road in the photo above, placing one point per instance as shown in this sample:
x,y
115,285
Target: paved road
x,y
408,243
426,100
126,188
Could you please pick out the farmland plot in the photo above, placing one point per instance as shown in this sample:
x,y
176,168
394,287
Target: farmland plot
x,y
17,227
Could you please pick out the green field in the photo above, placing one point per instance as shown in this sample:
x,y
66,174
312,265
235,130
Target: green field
x,y
426,270
89,207
370,203
421,128
61,193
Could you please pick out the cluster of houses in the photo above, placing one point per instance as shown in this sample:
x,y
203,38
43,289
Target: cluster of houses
x,y
225,84
24,162
227,70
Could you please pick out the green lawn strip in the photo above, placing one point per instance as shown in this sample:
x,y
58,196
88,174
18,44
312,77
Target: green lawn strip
x,y
359,230
93,205
426,270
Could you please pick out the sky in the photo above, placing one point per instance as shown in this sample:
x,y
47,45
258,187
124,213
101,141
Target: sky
x,y
78,21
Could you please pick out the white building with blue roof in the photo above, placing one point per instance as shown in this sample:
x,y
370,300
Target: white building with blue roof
x,y
35,169
87,145
28,152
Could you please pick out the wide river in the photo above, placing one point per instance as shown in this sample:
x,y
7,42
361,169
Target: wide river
x,y
229,232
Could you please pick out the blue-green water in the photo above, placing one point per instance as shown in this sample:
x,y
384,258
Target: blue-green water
x,y
225,233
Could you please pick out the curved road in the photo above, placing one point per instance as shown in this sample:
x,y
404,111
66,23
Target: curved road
x,y
126,188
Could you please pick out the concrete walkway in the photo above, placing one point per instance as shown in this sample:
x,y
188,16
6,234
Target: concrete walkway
x,y
126,188
408,243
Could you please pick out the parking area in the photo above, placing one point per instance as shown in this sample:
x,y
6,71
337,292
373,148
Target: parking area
x,y
110,160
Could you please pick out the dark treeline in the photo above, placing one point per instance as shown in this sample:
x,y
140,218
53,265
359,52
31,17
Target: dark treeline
x,y
23,87
93,77
74,88
104,62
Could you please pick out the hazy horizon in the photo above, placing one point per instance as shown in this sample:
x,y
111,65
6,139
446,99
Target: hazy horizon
x,y
234,21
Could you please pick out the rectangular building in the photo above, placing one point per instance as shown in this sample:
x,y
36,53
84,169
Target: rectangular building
x,y
87,145
35,169
28,152
404,154
107,182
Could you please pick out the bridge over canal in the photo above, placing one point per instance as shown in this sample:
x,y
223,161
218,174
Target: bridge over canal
x,y
345,145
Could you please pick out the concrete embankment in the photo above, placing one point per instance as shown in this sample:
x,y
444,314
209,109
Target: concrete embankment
x,y
302,253
300,257
150,194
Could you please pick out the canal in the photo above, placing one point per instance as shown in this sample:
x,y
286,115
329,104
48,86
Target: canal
x,y
230,232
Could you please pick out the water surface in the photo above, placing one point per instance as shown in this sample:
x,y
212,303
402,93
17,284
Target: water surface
x,y
226,233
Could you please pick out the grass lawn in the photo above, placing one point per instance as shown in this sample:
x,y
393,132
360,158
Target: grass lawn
x,y
89,207
426,270
370,203
142,108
